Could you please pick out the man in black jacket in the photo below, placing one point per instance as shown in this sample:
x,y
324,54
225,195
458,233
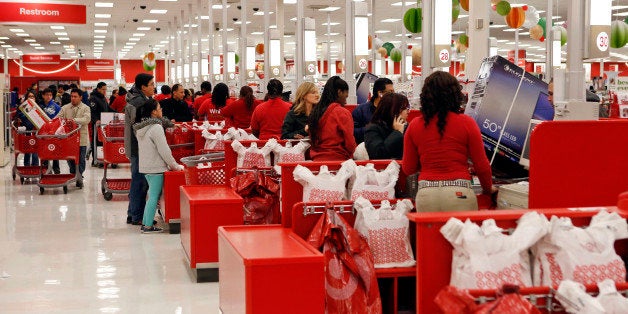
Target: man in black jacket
x,y
98,104
175,107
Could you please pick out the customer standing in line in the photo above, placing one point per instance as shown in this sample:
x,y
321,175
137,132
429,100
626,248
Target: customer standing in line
x,y
79,112
97,104
142,90
440,144
295,122
174,107
155,155
267,118
29,159
331,125
363,112
384,135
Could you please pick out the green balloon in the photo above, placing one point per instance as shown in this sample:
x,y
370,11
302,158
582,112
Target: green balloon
x,y
542,23
388,46
237,59
618,34
464,39
413,20
395,55
455,10
503,8
626,20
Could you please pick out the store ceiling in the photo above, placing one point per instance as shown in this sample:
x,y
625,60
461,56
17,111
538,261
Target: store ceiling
x,y
128,19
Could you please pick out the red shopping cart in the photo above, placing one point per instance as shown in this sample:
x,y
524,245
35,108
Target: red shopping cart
x,y
207,169
180,138
54,146
24,142
112,137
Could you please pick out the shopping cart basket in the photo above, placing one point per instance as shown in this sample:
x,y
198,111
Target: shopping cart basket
x,y
112,137
58,147
205,169
24,142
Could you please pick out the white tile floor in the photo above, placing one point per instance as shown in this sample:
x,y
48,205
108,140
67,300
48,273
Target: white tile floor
x,y
74,253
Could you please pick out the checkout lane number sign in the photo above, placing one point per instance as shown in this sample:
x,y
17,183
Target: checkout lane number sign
x,y
444,55
602,41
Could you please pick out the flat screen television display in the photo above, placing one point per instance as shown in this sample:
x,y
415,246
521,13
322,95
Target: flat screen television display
x,y
503,101
364,87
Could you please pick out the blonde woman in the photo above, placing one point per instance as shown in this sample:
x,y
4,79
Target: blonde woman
x,y
295,123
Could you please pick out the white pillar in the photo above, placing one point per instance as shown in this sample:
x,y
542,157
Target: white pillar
x,y
329,65
189,57
479,43
279,21
243,42
575,72
549,37
115,56
225,46
199,47
264,82
169,55
427,41
181,51
349,52
212,36
403,46
299,55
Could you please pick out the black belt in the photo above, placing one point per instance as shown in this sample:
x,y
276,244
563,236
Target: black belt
x,y
435,184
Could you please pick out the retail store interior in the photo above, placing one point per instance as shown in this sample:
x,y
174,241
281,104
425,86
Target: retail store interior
x,y
545,81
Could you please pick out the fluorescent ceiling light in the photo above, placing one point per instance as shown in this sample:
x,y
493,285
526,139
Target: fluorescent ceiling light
x,y
382,31
509,30
188,25
158,11
130,44
134,39
17,30
398,4
138,34
502,40
555,17
329,9
104,4
497,26
150,21
5,46
294,19
159,46
390,20
203,17
125,50
100,31
57,27
331,24
23,35
102,16
164,42
98,44
257,33
143,28
40,48
240,22
457,32
101,24
262,13
29,40
218,6
55,43
331,34
621,14
61,34
100,36
35,44
524,33
4,38
619,7
99,41
289,1
462,16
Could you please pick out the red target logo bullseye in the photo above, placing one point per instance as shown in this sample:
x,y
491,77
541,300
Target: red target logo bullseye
x,y
32,142
51,147
121,150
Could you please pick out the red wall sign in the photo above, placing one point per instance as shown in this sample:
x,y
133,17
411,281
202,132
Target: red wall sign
x,y
15,12
41,59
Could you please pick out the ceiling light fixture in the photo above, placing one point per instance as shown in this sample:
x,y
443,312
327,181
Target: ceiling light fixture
x,y
329,9
103,4
102,16
150,21
101,24
158,11
57,27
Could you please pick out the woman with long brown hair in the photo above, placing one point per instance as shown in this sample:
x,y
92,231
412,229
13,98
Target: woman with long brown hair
x,y
439,144
238,113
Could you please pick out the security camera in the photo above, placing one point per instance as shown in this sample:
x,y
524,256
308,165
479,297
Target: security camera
x,y
255,9
157,28
142,7
235,19
217,29
239,7
135,20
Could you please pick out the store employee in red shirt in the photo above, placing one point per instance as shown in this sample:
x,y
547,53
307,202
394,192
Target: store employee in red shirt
x,y
267,118
439,145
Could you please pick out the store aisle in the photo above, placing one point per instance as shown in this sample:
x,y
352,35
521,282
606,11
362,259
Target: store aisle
x,y
74,253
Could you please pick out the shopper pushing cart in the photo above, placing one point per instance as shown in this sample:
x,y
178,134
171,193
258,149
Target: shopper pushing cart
x,y
79,113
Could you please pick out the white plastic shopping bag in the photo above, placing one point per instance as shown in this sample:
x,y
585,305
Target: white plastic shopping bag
x,y
324,186
289,153
387,232
375,185
250,157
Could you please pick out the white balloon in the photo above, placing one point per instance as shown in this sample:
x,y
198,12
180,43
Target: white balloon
x,y
377,42
532,17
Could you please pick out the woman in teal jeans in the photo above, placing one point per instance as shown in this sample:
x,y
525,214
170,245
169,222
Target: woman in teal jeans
x,y
155,157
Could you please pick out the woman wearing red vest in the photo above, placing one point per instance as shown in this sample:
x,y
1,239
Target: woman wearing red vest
x,y
268,117
238,113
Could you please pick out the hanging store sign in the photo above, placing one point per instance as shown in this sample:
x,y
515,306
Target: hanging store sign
x,y
15,12
41,59
99,65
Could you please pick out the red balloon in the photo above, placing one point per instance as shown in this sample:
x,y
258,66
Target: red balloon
x,y
525,8
494,7
542,39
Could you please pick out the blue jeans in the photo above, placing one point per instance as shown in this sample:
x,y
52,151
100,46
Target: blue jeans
x,y
72,166
155,185
31,160
137,192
